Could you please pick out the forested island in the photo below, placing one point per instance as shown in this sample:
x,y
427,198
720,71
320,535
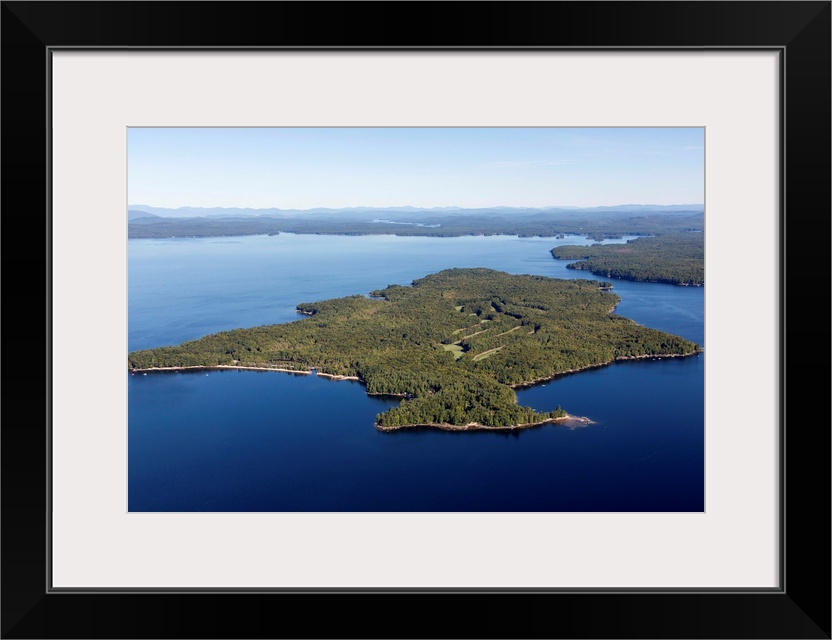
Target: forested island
x,y
453,345
673,258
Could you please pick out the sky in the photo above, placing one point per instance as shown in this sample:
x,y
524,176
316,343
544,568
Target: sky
x,y
304,168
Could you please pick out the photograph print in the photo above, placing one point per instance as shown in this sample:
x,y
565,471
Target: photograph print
x,y
416,319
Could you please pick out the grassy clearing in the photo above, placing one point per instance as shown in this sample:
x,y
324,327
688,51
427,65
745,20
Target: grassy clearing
x,y
513,329
476,326
454,348
485,354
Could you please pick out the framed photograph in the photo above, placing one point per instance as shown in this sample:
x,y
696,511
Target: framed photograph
x,y
432,393
272,150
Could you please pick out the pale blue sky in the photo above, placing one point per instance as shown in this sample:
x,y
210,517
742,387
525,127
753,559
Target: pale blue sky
x,y
303,168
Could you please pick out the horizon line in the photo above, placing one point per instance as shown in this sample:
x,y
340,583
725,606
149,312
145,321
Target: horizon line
x,y
406,206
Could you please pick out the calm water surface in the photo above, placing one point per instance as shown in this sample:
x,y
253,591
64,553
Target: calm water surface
x,y
260,441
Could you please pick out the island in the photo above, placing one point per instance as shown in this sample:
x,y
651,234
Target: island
x,y
673,258
453,345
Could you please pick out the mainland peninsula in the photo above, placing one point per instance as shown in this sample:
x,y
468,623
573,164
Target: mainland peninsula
x,y
671,258
453,345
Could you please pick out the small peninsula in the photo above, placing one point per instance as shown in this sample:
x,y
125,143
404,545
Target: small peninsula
x,y
453,345
672,258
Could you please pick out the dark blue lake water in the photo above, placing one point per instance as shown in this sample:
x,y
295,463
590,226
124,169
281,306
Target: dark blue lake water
x,y
265,441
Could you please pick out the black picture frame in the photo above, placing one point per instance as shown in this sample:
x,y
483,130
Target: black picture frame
x,y
799,31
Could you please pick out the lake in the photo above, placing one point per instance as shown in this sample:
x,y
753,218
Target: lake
x,y
266,441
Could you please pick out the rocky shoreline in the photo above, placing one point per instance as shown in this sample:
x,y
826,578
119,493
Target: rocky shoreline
x,y
569,420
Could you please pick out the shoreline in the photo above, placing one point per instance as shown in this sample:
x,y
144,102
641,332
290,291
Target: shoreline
x,y
475,426
332,376
222,366
205,367
531,383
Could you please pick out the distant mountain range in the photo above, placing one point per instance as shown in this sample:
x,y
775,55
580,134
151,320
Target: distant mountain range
x,y
136,211
134,214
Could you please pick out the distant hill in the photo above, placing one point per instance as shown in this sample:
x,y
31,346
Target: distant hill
x,y
133,214
346,212
636,208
